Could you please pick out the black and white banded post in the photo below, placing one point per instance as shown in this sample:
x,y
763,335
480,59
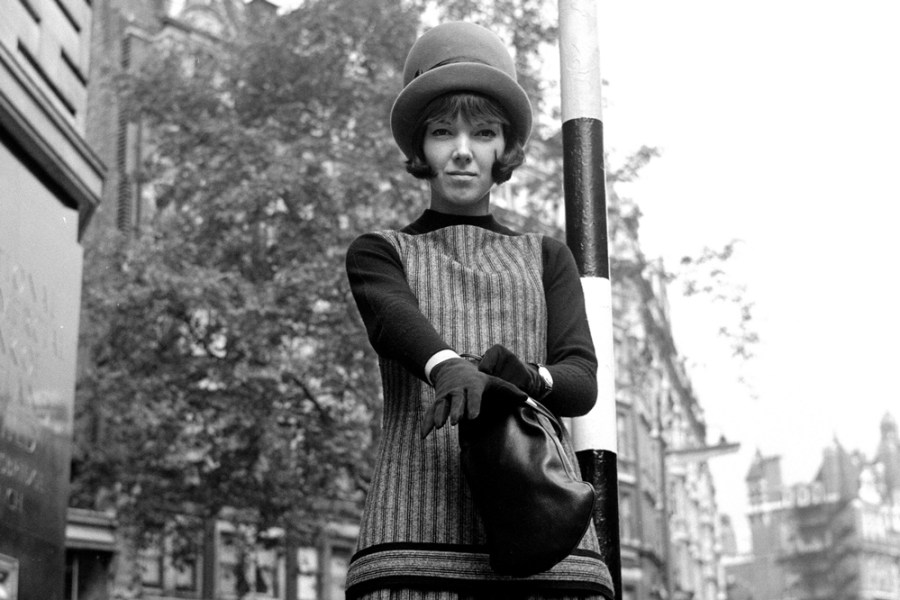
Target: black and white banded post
x,y
594,434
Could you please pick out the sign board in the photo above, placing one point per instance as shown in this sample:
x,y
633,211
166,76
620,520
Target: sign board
x,y
40,289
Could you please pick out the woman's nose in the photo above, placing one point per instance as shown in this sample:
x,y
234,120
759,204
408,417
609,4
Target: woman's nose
x,y
463,150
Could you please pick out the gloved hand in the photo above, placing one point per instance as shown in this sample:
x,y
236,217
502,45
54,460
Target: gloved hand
x,y
458,386
459,390
500,361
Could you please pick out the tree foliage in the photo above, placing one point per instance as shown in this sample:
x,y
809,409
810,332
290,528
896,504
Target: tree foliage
x,y
704,276
227,367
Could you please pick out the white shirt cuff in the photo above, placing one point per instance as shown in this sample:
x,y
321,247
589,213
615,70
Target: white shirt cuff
x,y
437,358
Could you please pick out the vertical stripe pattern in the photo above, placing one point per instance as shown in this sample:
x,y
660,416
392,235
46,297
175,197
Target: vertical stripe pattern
x,y
477,288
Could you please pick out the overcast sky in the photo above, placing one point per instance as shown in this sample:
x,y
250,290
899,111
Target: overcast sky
x,y
779,123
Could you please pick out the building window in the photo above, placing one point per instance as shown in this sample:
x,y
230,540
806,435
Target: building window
x,y
308,568
340,562
232,582
265,573
623,430
627,525
186,576
164,568
150,558
244,570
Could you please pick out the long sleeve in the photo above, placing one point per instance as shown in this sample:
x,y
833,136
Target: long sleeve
x,y
571,359
396,327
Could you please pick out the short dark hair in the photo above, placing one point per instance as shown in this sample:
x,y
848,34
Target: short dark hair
x,y
473,107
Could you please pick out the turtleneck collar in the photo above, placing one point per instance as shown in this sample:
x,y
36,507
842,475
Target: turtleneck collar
x,y
432,220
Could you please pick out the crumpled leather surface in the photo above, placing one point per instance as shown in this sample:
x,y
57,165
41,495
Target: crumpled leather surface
x,y
530,496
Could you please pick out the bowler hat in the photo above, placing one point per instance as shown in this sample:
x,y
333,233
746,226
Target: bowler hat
x,y
458,57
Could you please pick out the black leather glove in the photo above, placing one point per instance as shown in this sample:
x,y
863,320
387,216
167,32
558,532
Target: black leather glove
x,y
458,387
500,361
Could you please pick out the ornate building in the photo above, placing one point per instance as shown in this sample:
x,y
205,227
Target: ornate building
x,y
836,537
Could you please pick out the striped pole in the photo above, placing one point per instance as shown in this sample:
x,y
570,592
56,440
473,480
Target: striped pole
x,y
584,177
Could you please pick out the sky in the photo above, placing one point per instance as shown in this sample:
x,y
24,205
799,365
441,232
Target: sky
x,y
778,124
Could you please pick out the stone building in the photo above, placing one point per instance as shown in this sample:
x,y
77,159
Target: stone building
x,y
669,520
835,537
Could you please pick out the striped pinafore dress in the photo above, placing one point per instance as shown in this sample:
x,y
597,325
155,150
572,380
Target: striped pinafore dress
x,y
420,536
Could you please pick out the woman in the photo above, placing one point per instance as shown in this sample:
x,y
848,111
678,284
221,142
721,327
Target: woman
x,y
457,282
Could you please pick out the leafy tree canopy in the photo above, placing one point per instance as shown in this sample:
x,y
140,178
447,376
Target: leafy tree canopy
x,y
226,366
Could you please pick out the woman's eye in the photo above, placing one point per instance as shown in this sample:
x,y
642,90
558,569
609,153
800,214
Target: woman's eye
x,y
440,131
488,133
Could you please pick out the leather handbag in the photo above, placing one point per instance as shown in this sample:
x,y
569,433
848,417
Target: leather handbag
x,y
530,496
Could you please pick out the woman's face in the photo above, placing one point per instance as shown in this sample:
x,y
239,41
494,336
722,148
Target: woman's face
x,y
462,153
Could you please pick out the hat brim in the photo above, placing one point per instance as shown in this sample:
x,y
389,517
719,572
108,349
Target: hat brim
x,y
458,77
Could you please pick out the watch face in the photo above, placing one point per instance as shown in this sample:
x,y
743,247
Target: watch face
x,y
545,375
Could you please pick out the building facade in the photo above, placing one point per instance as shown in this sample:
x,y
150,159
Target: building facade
x,y
835,537
669,520
671,538
50,185
221,565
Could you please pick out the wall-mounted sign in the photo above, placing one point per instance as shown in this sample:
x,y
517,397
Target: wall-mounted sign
x,y
40,288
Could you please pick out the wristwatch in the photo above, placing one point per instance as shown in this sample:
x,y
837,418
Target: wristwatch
x,y
546,381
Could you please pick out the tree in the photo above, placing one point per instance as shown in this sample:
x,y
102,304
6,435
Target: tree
x,y
704,276
226,366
